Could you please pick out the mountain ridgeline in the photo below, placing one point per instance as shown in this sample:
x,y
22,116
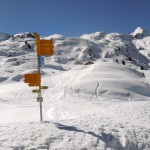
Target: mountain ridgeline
x,y
127,49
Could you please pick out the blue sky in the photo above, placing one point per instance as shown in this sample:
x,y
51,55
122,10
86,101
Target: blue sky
x,y
73,17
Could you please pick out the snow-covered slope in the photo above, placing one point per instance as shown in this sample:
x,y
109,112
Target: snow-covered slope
x,y
98,95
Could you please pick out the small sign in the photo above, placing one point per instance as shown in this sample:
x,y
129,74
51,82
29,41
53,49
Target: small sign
x,y
35,91
39,99
44,87
36,35
33,79
41,61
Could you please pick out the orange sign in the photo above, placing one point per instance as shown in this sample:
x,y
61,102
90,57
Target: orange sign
x,y
33,79
45,47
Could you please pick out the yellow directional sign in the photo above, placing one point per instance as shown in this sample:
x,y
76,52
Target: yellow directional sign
x,y
45,47
36,35
33,79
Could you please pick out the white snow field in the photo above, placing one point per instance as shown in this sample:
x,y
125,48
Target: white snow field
x,y
98,96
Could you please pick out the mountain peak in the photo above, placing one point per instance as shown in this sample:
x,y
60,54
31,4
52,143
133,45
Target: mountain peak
x,y
139,32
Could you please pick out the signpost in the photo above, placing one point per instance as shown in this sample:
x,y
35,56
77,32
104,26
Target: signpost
x,y
44,48
40,98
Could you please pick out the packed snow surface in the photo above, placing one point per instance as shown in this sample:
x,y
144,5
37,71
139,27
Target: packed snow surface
x,y
98,95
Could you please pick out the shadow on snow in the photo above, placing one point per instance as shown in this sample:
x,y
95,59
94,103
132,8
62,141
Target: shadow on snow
x,y
108,139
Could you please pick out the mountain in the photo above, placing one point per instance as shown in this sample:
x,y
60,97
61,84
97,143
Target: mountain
x,y
4,36
140,33
97,97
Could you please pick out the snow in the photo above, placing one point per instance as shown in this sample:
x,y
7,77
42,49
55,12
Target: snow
x,y
55,36
102,106
140,33
94,36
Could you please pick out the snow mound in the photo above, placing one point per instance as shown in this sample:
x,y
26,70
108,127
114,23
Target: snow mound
x,y
103,80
